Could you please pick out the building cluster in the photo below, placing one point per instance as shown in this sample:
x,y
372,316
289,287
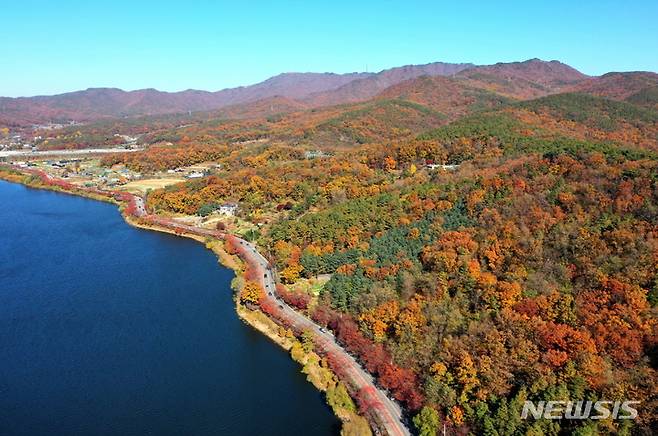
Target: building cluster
x,y
16,142
54,126
196,171
129,141
316,154
433,167
94,175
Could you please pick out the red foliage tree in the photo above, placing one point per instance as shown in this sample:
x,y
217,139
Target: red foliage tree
x,y
367,399
299,300
615,315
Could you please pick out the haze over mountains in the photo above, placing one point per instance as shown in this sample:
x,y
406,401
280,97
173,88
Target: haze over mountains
x,y
294,91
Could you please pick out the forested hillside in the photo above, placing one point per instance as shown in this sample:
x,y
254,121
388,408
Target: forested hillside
x,y
472,249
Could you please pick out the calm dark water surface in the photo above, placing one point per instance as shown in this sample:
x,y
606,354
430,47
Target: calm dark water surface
x,y
110,330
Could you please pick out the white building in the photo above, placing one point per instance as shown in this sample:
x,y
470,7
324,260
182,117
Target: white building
x,y
195,175
228,209
433,167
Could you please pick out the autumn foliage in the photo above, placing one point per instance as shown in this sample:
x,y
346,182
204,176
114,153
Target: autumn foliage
x,y
506,254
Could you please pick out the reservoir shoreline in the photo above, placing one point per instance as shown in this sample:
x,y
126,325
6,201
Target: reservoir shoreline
x,y
310,363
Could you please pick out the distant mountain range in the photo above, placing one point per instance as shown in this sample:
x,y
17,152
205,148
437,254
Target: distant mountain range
x,y
294,91
367,87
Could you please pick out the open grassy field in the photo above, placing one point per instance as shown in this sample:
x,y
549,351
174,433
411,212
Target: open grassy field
x,y
141,186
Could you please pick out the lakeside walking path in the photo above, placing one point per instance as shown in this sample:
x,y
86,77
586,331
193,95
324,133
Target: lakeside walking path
x,y
387,413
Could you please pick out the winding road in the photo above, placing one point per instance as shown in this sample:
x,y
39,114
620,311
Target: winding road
x,y
390,413
387,412
86,152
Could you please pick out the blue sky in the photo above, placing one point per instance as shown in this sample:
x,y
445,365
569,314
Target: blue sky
x,y
49,47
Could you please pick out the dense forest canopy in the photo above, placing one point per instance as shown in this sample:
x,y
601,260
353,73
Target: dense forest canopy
x,y
472,258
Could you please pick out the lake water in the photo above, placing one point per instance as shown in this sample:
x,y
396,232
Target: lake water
x,y
110,330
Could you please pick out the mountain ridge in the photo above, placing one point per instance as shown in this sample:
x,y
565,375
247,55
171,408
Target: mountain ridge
x,y
517,80
110,102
